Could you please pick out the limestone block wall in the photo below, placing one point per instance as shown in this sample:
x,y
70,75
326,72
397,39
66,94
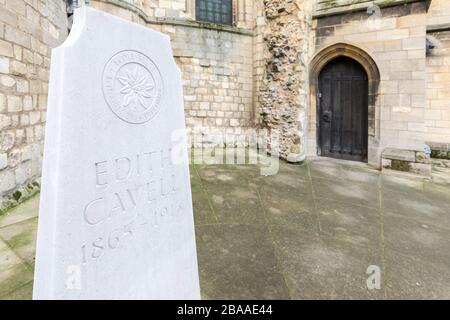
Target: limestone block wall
x,y
216,61
437,115
164,8
327,7
439,13
217,68
28,31
395,37
259,55
152,8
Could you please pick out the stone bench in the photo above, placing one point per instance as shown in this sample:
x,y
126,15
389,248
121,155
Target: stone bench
x,y
411,161
440,154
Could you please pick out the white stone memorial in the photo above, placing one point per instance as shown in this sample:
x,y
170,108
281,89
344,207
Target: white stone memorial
x,y
116,218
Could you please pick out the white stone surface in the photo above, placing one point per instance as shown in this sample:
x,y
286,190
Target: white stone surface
x,y
3,160
116,219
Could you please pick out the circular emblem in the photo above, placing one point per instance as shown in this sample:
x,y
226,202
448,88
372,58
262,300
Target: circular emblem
x,y
132,86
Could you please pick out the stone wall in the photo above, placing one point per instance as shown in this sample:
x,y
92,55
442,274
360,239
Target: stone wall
x,y
259,59
437,115
253,73
328,7
283,90
28,30
216,61
439,13
395,38
217,68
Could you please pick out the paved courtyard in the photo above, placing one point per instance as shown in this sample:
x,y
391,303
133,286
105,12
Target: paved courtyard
x,y
309,232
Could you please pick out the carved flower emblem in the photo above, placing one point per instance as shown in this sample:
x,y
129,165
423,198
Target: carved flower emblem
x,y
136,87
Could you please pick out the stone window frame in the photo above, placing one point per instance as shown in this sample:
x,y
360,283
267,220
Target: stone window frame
x,y
324,56
190,8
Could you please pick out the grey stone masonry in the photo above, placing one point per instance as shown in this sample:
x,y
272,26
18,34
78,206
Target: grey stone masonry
x,y
28,31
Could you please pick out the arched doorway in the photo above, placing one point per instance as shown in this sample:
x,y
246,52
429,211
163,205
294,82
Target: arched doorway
x,y
325,57
342,113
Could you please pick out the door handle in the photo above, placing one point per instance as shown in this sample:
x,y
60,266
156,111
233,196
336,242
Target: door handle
x,y
326,117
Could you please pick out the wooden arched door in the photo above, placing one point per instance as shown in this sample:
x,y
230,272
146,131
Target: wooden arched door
x,y
342,115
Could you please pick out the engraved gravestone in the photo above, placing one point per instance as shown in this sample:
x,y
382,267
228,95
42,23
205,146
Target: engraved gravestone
x,y
116,218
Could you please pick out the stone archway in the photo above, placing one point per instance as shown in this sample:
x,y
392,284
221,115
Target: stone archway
x,y
318,62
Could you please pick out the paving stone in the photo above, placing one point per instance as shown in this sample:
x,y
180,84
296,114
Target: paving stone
x,y
417,239
221,177
8,258
269,238
416,205
29,209
347,191
236,204
438,194
412,278
14,278
238,262
281,209
203,213
356,225
21,237
362,175
286,183
24,292
441,176
324,269
401,184
325,169
299,171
